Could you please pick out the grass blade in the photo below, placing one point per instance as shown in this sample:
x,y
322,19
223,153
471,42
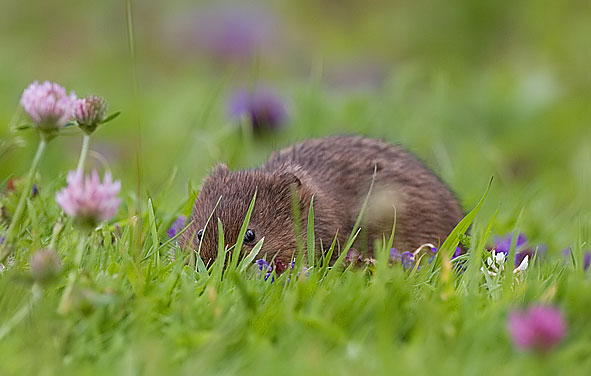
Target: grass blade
x,y
238,247
452,241
310,235
245,262
153,228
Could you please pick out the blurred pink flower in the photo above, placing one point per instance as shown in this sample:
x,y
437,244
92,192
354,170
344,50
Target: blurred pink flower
x,y
87,200
48,104
89,112
539,328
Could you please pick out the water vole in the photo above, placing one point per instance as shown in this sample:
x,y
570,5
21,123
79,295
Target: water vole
x,y
337,171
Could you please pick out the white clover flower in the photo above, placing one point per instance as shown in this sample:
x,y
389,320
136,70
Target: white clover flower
x,y
495,264
523,266
499,257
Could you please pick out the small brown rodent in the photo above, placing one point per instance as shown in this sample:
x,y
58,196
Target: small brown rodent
x,y
337,172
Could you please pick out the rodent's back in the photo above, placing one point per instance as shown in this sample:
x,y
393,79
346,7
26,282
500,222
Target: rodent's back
x,y
342,167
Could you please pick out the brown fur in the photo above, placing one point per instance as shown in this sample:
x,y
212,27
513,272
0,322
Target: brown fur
x,y
337,172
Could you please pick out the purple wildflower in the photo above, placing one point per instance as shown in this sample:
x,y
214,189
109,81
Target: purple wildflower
x,y
176,226
263,265
266,268
48,105
34,190
407,259
503,243
87,200
394,255
262,107
538,328
230,34
89,112
2,238
45,265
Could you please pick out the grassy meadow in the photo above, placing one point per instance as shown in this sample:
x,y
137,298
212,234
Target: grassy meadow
x,y
476,89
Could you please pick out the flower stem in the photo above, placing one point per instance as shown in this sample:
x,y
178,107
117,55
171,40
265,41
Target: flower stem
x,y
21,313
66,301
83,153
10,232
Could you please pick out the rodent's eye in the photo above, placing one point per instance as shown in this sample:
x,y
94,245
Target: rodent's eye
x,y
199,234
249,236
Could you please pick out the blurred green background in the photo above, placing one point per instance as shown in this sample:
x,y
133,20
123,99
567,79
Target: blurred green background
x,y
475,88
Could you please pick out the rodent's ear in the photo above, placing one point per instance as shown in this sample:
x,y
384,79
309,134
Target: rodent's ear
x,y
292,174
219,170
291,179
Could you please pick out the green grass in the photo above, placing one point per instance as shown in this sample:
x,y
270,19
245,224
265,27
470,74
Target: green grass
x,y
136,314
455,89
